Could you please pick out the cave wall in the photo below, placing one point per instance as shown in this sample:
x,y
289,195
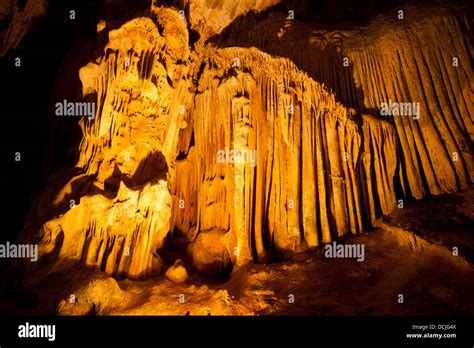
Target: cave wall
x,y
322,163
313,168
401,60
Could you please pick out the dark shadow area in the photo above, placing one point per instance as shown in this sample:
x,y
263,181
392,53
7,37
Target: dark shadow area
x,y
26,123
153,167
444,220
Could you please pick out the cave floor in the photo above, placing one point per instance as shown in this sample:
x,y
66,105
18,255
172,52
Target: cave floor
x,y
423,269
431,282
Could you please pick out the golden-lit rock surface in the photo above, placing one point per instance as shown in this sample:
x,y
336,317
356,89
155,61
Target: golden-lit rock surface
x,y
177,272
245,154
120,236
432,279
401,60
152,105
210,17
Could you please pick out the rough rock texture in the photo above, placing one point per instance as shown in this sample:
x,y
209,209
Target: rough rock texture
x,y
93,298
309,165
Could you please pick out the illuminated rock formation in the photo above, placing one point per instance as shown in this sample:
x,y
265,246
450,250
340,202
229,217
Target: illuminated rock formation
x,y
292,198
421,54
244,154
177,272
121,214
211,17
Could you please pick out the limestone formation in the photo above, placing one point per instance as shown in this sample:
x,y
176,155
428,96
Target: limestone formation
x,y
211,17
424,58
245,152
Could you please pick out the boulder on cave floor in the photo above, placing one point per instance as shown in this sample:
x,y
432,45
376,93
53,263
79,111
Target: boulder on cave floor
x,y
210,255
177,272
